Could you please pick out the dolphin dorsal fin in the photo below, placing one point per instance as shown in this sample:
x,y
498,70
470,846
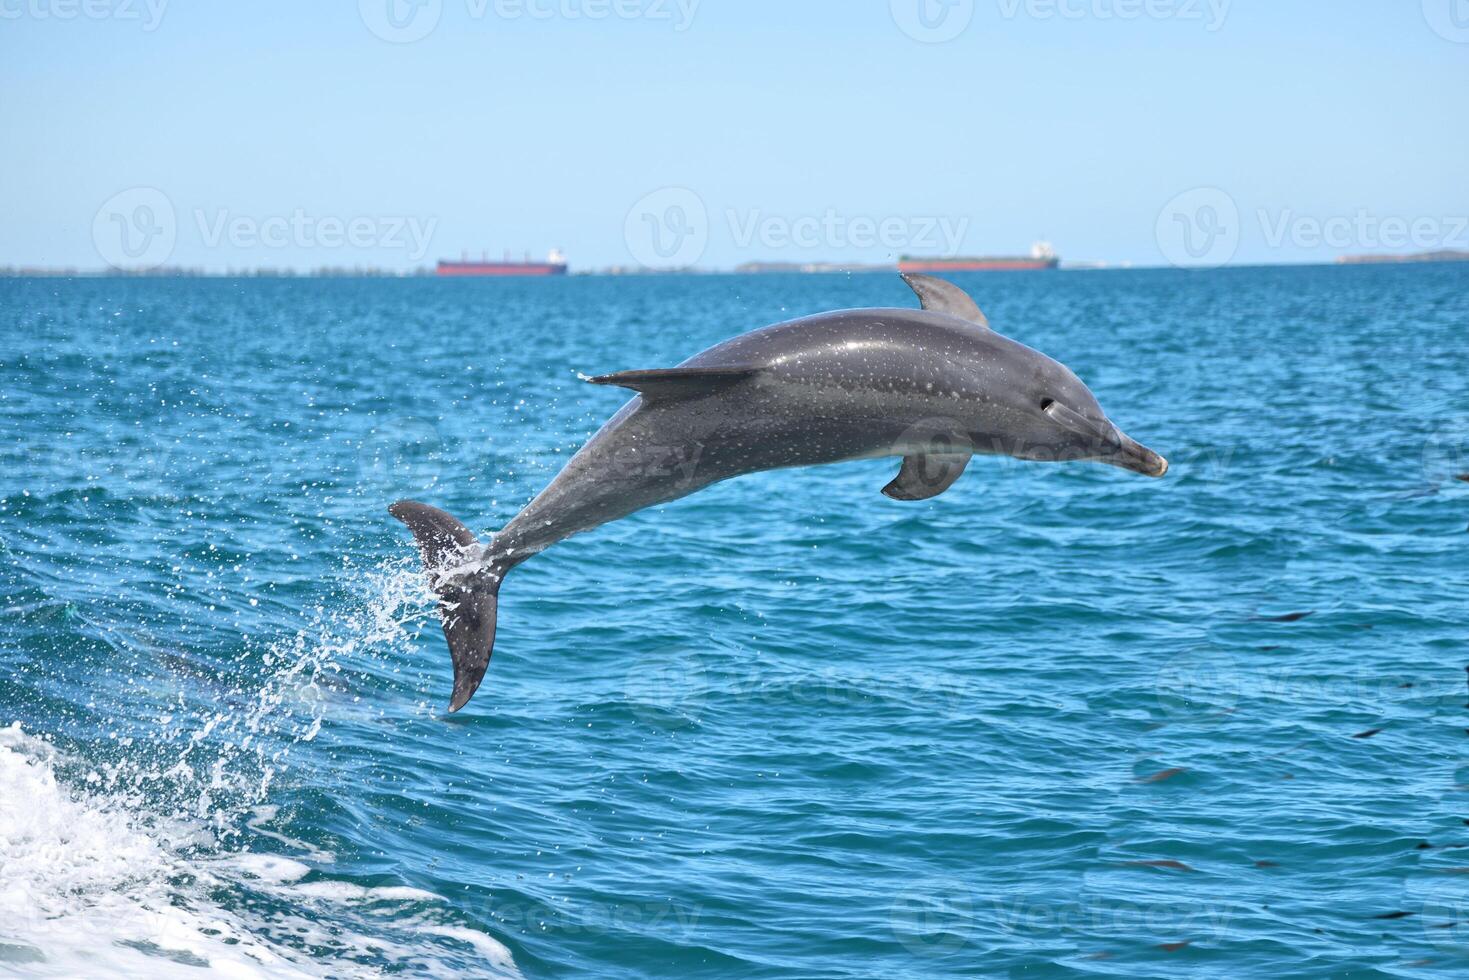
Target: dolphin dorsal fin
x,y
679,382
945,297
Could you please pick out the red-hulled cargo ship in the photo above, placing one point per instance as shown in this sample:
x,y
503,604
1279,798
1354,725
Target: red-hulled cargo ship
x,y
1041,257
555,265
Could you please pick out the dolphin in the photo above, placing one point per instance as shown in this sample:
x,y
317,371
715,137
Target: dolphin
x,y
934,386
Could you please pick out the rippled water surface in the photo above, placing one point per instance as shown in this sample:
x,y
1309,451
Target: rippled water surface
x,y
1060,721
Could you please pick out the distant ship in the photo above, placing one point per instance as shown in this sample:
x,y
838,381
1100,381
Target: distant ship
x,y
1042,256
555,265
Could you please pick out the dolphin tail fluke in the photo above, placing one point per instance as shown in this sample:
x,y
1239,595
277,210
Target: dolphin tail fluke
x,y
468,588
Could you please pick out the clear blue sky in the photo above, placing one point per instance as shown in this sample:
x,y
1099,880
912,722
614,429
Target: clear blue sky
x,y
500,129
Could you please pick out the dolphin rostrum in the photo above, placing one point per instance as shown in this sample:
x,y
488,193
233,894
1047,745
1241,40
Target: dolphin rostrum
x,y
934,386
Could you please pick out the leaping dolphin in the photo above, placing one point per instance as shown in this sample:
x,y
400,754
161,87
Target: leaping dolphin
x,y
935,386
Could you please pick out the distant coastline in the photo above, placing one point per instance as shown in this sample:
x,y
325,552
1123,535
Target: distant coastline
x,y
775,267
1443,255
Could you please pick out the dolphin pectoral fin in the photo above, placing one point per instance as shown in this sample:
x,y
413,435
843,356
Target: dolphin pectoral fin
x,y
939,296
469,594
926,475
679,382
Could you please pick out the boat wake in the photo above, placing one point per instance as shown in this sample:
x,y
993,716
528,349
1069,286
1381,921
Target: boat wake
x,y
132,856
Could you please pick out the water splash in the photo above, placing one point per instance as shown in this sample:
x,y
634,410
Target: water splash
x,y
212,751
151,858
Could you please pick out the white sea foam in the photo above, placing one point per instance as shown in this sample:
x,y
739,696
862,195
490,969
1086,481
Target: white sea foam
x,y
270,867
87,890
124,867
83,892
261,817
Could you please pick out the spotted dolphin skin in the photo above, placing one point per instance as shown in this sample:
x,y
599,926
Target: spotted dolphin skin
x,y
934,386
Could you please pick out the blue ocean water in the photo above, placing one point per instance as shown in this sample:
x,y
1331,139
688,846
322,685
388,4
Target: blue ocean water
x,y
1061,721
